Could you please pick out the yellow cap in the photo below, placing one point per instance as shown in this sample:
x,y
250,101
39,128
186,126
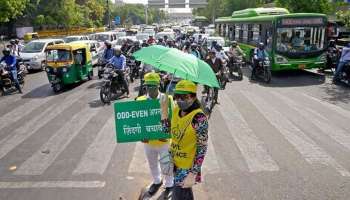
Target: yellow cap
x,y
152,78
185,87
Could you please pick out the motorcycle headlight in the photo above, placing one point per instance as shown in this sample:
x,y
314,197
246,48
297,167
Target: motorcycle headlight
x,y
64,70
54,69
280,59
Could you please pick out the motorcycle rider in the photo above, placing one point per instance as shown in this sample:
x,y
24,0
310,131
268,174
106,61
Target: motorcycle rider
x,y
156,149
10,61
260,54
151,40
161,42
119,63
344,59
109,51
235,52
20,46
14,48
144,43
194,51
217,65
332,51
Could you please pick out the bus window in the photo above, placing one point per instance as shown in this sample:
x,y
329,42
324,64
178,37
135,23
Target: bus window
x,y
237,32
300,39
250,32
245,32
256,32
240,33
232,32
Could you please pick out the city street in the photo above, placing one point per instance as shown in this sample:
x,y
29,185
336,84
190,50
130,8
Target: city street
x,y
286,140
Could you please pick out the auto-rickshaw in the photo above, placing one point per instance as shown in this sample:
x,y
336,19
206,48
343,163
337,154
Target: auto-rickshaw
x,y
30,36
68,64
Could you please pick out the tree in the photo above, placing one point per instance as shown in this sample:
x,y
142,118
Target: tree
x,y
344,16
310,6
10,9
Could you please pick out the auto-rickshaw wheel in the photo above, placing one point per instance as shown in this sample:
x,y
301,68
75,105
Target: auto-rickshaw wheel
x,y
90,75
57,87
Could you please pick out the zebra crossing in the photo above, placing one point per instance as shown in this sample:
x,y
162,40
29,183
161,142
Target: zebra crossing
x,y
99,153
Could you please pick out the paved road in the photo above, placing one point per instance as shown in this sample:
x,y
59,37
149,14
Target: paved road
x,y
287,140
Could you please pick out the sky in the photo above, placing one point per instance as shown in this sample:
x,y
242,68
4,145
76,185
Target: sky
x,y
171,10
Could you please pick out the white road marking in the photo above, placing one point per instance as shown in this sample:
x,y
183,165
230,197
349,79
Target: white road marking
x,y
337,109
252,149
21,111
99,153
39,162
303,144
210,163
31,126
139,163
337,134
52,184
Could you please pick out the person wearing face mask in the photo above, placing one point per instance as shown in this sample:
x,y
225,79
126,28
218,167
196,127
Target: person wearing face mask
x,y
154,149
119,63
189,138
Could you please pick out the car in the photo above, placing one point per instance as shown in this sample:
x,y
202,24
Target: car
x,y
142,36
171,35
103,36
119,43
196,35
220,40
33,53
149,32
73,38
95,47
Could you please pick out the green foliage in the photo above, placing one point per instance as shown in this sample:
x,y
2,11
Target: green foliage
x,y
344,16
10,9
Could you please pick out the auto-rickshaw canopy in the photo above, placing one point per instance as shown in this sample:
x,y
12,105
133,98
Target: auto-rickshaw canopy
x,y
73,48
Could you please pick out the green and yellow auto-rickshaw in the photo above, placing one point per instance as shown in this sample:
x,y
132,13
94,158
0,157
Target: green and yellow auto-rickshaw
x,y
30,36
68,64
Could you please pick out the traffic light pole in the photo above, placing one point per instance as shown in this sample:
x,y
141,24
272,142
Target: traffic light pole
x,y
108,15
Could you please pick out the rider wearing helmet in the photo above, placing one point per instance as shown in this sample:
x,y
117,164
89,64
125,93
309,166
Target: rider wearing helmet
x,y
260,54
10,61
194,50
236,52
344,59
144,43
119,63
151,40
14,48
220,53
161,42
109,51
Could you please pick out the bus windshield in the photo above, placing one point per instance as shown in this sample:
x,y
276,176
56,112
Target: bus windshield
x,y
300,39
58,55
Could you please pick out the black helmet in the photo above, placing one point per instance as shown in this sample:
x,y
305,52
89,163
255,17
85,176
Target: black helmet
x,y
16,41
331,43
213,43
6,51
261,45
108,44
218,47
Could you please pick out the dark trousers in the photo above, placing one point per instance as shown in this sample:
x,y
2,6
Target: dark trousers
x,y
180,193
14,78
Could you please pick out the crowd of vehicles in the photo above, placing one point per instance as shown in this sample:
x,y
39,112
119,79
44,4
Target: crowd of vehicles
x,y
290,41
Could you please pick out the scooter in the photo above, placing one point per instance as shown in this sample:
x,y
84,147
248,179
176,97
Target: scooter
x,y
6,81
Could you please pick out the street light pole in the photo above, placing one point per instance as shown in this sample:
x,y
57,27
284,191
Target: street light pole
x,y
146,13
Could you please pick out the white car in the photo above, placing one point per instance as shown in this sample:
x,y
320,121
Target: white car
x,y
142,36
73,38
220,40
33,53
149,32
171,35
95,47
103,36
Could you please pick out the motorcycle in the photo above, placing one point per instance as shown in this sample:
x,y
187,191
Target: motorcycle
x,y
6,80
235,67
111,86
345,75
263,70
332,59
134,68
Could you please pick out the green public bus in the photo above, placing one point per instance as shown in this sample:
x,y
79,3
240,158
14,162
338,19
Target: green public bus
x,y
293,40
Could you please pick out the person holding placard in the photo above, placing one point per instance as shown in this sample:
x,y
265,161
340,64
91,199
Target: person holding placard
x,y
156,149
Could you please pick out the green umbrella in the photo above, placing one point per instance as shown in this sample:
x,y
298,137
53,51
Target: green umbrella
x,y
180,64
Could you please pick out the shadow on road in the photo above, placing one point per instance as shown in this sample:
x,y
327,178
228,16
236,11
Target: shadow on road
x,y
336,93
40,92
96,103
96,85
290,79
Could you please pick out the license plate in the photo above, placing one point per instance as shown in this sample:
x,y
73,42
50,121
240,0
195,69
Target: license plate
x,y
302,66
